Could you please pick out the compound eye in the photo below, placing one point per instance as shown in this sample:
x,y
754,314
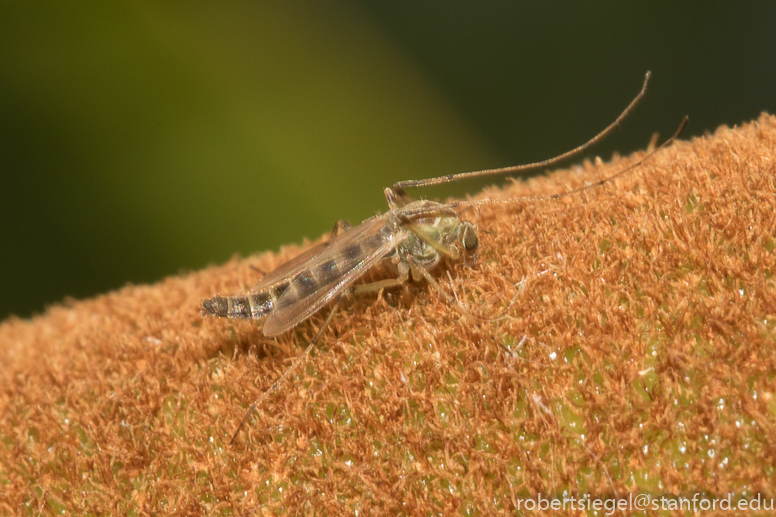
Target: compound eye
x,y
469,237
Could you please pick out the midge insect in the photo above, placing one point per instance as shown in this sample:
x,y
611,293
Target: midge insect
x,y
411,239
407,239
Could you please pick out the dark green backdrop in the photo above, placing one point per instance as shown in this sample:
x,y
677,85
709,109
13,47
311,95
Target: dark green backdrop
x,y
140,139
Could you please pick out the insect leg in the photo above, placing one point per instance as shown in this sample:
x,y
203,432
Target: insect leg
x,y
298,361
404,275
418,269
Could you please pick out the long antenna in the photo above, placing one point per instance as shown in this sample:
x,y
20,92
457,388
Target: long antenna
x,y
682,124
399,187
424,211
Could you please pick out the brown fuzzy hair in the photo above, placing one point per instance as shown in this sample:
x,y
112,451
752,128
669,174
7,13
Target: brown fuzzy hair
x,y
622,340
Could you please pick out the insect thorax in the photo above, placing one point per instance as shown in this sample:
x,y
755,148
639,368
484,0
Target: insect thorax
x,y
447,230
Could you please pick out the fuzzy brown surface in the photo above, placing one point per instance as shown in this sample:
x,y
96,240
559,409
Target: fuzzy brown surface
x,y
640,318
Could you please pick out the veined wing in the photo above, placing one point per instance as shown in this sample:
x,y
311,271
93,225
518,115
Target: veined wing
x,y
289,269
335,268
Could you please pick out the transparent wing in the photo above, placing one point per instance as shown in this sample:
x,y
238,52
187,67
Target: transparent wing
x,y
288,269
335,268
291,268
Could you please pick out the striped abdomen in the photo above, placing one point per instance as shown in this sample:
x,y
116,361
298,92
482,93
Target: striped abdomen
x,y
255,305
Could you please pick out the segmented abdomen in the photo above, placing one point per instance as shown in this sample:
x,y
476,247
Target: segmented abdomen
x,y
249,305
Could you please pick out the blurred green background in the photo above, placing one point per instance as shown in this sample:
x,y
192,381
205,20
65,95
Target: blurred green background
x,y
141,139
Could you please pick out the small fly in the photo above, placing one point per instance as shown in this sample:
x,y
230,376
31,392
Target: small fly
x,y
411,239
